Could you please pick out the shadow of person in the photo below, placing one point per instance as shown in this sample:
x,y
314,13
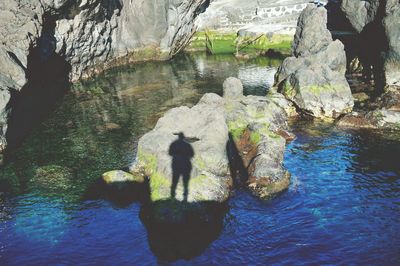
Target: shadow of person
x,y
182,153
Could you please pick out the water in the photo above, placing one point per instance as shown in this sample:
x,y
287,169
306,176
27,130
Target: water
x,y
342,207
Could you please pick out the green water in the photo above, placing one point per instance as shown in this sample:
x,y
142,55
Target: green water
x,y
96,125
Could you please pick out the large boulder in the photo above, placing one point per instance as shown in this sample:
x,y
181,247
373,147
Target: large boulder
x,y
188,144
314,78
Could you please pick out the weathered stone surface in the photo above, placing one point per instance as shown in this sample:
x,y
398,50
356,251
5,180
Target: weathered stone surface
x,y
254,123
378,23
312,34
314,78
186,143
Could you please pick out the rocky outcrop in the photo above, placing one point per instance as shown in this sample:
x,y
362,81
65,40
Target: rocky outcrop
x,y
314,78
89,35
188,144
220,141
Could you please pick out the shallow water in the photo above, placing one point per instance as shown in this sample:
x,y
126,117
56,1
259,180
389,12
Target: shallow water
x,y
342,207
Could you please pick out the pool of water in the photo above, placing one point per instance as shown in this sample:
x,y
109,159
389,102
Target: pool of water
x,y
342,207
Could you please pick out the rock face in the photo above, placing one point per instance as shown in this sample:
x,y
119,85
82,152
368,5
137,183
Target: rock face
x,y
314,78
89,35
254,15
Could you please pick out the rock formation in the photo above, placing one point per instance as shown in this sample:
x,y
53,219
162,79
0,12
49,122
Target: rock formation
x,y
89,35
314,77
213,146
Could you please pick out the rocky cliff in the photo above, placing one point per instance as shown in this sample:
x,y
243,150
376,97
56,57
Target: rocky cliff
x,y
85,37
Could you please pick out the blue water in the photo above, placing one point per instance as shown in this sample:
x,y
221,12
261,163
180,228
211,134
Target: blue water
x,y
342,207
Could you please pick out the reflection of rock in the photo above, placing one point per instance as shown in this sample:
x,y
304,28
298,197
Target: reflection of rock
x,y
315,79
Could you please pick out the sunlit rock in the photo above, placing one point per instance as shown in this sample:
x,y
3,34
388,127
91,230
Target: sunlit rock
x,y
314,78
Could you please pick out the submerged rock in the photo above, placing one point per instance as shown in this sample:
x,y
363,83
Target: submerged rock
x,y
314,78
